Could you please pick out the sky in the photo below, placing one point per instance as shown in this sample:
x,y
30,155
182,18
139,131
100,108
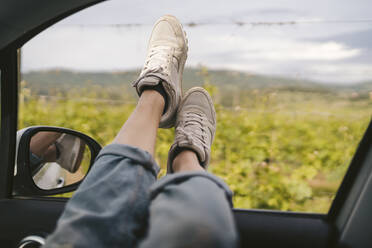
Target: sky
x,y
326,41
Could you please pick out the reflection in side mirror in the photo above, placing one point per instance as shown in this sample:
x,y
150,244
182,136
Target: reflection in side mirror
x,y
58,159
52,160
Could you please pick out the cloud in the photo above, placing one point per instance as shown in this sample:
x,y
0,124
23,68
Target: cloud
x,y
317,51
276,49
87,49
275,54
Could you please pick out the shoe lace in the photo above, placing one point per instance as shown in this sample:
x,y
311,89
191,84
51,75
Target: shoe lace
x,y
159,59
193,129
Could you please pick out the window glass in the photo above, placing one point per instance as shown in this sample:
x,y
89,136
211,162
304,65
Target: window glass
x,y
291,85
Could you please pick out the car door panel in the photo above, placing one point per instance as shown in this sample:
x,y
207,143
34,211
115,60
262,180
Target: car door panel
x,y
23,217
260,228
257,228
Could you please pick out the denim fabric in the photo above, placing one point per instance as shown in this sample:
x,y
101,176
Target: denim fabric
x,y
190,210
120,204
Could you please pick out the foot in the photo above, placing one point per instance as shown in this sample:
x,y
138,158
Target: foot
x,y
166,57
70,150
195,127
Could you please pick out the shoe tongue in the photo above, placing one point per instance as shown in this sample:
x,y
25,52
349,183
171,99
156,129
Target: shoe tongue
x,y
192,127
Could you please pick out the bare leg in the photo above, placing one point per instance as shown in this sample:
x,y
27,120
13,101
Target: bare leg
x,y
41,141
141,127
120,178
186,160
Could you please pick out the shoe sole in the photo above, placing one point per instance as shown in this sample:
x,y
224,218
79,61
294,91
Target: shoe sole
x,y
179,32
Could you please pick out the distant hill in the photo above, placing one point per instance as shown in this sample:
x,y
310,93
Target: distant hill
x,y
360,87
229,81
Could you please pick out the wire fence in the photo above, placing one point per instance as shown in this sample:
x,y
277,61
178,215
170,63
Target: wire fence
x,y
230,22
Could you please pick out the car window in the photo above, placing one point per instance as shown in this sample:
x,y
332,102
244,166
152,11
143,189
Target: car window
x,y
291,86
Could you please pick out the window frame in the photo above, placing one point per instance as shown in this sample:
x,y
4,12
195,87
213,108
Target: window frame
x,y
9,115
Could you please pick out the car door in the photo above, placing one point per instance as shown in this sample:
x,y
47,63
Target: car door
x,y
346,224
22,217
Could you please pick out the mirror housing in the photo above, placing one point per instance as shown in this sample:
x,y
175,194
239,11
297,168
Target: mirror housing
x,y
25,170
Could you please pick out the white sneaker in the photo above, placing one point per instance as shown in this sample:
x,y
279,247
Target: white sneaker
x,y
166,57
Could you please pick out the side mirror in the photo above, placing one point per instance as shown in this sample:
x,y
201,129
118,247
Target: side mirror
x,y
52,160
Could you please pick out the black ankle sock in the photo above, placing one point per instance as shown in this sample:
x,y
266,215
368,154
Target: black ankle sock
x,y
160,89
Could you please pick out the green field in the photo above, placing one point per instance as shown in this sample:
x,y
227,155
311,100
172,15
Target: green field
x,y
278,147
